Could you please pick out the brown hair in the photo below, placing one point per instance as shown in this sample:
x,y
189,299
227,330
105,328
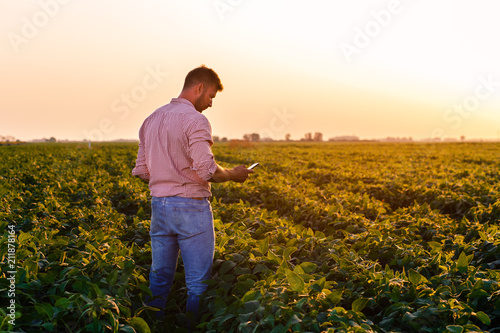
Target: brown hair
x,y
204,75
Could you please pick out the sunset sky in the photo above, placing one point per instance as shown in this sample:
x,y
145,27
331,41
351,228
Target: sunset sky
x,y
75,69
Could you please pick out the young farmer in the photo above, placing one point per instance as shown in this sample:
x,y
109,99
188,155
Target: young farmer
x,y
175,156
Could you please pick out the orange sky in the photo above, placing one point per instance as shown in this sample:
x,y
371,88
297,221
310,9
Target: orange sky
x,y
94,70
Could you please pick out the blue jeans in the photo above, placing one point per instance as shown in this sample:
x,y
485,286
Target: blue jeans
x,y
187,225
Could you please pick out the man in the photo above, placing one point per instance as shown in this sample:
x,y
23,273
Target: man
x,y
175,156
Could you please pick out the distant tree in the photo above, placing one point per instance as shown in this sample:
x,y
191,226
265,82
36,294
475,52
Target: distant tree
x,y
52,139
224,139
255,137
251,137
307,137
462,137
318,136
287,137
7,138
215,138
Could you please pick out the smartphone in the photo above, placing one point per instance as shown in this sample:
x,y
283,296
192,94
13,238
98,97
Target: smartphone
x,y
252,166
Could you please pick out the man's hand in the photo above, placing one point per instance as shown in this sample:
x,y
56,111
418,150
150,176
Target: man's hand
x,y
238,174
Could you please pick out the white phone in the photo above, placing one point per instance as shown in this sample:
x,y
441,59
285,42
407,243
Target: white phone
x,y
252,166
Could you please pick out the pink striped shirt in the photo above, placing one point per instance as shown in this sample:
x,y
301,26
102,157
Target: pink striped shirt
x,y
175,151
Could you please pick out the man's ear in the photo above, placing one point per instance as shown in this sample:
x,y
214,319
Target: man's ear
x,y
199,89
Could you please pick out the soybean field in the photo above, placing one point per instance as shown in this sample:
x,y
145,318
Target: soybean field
x,y
323,237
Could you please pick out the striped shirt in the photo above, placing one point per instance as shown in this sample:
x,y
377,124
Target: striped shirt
x,y
175,151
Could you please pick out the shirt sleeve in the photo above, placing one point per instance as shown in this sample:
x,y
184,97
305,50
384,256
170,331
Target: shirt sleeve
x,y
200,151
141,168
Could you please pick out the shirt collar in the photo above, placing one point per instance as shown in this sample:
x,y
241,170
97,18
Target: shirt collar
x,y
182,101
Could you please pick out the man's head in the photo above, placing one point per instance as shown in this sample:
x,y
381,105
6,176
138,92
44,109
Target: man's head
x,y
200,87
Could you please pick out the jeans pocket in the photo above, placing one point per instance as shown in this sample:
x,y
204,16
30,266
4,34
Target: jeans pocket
x,y
159,220
189,220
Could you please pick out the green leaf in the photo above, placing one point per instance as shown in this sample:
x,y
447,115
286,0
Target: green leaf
x,y
477,293
86,299
225,318
359,304
299,270
455,329
296,282
309,267
48,327
63,303
483,317
98,291
294,320
321,282
273,258
226,267
228,278
46,278
23,237
264,245
435,247
316,287
237,257
408,317
259,268
335,296
483,235
139,325
251,306
239,270
44,309
319,285
251,295
90,247
127,329
288,252
146,289
462,263
112,277
414,277
269,320
302,302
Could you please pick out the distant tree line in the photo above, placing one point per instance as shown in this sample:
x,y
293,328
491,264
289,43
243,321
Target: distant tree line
x,y
7,138
310,137
318,137
216,138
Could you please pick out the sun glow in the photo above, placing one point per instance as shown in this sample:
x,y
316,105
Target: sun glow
x,y
373,69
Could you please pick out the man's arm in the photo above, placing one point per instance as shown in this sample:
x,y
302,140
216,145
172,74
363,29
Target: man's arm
x,y
141,168
238,174
200,151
